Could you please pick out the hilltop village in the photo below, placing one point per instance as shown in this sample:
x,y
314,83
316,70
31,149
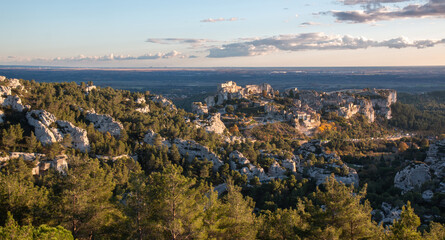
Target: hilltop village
x,y
254,135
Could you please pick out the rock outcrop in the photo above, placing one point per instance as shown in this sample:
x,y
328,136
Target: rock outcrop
x,y
143,109
105,123
433,169
215,124
412,176
230,90
320,174
241,164
199,108
49,130
42,164
14,102
333,163
164,102
42,122
193,149
150,137
79,136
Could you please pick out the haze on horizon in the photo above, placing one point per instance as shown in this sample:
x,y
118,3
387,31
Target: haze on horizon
x,y
247,33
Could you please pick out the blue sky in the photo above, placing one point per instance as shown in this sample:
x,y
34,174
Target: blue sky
x,y
208,33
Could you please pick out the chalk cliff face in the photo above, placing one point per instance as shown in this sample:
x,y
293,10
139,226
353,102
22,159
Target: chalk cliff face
x,y
105,123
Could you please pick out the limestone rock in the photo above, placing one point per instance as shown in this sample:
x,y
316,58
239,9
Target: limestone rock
x,y
199,108
5,91
79,136
275,170
41,121
436,159
194,149
149,138
105,123
2,78
215,124
164,102
427,195
145,109
14,102
140,100
320,174
411,177
242,164
88,89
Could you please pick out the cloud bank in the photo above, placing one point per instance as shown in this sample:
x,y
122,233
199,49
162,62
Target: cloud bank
x,y
312,41
178,40
213,20
433,8
112,57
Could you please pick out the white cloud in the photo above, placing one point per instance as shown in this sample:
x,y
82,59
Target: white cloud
x,y
433,8
311,41
307,24
213,20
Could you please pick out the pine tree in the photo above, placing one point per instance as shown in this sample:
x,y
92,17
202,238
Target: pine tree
x,y
436,232
176,207
340,211
18,194
85,198
237,220
12,230
282,224
406,227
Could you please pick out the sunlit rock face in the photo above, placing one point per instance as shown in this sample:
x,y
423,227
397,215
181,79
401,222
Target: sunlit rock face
x,y
49,130
42,122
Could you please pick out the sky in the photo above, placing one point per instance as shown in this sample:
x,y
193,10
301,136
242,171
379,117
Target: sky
x,y
229,33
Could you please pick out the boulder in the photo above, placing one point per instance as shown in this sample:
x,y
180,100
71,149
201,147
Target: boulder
x,y
412,176
105,123
79,136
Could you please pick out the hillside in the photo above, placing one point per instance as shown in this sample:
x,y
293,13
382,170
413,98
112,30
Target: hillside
x,y
247,163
